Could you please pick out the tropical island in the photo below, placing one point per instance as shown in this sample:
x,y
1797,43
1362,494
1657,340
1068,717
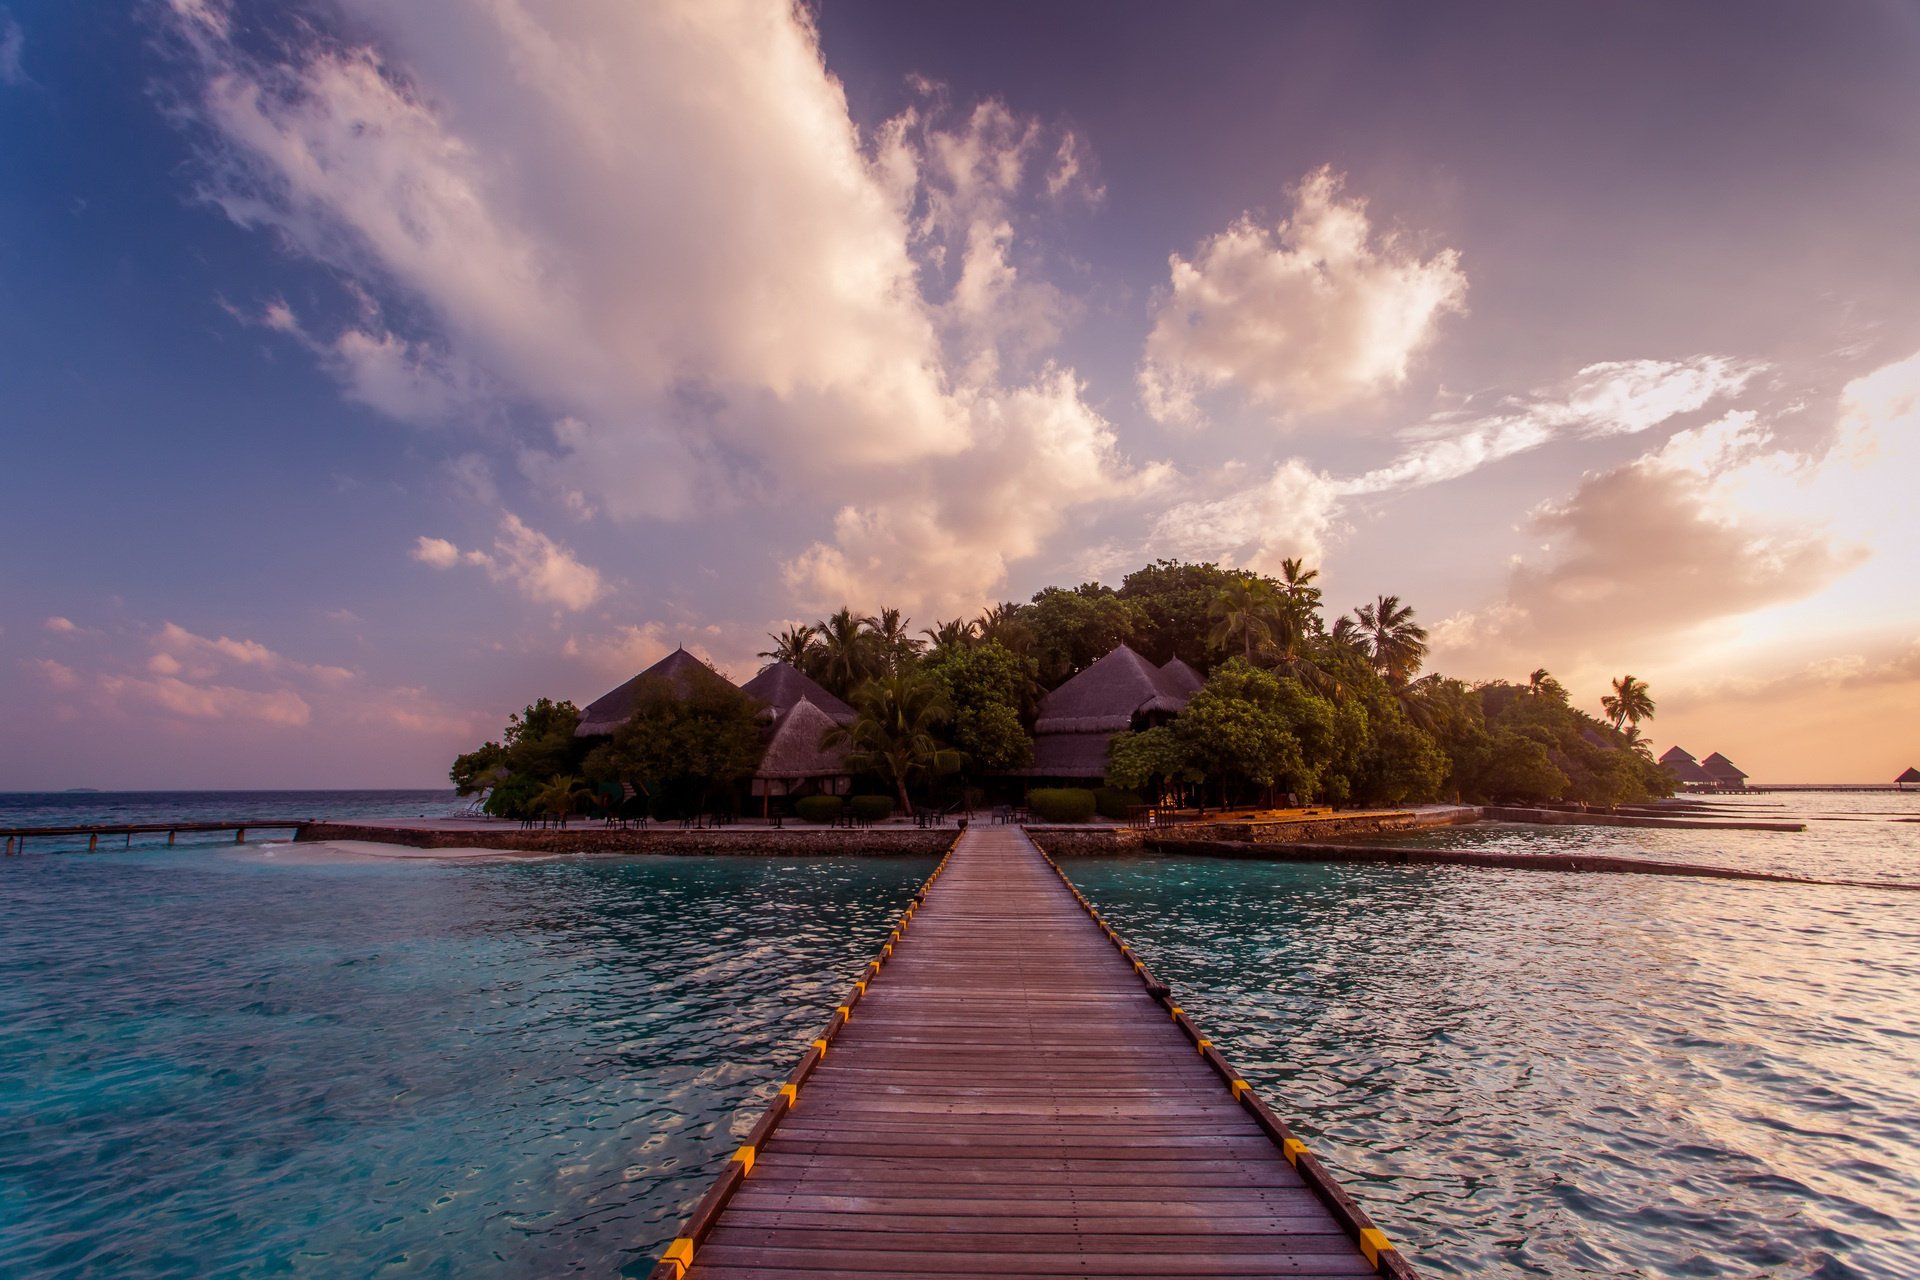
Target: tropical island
x,y
1189,684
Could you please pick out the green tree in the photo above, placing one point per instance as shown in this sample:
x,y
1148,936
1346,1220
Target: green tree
x,y
561,798
537,744
1135,761
1073,629
893,737
1629,703
1007,625
684,749
987,686
893,647
1173,600
844,658
1246,614
1396,643
795,646
1238,732
1541,684
955,633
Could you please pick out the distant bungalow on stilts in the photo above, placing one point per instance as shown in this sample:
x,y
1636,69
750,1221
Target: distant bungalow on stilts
x,y
1686,771
1907,779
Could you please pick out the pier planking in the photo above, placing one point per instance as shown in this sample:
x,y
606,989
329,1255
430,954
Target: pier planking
x,y
1009,1095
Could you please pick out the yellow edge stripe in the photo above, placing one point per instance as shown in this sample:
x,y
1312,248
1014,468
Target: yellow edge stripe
x,y
744,1158
1373,1243
792,1094
821,1045
680,1254
1239,1087
1203,1045
1293,1149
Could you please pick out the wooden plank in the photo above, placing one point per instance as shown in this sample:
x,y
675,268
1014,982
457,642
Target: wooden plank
x,y
1007,1099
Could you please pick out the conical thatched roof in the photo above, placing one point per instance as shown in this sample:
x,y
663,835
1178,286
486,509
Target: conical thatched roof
x,y
1182,676
1912,775
1723,770
1684,768
611,710
781,685
1106,696
794,751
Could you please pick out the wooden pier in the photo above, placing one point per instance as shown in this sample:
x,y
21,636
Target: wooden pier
x,y
17,836
1009,1092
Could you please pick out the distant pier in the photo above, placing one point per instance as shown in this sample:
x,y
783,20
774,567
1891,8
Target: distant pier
x,y
16,837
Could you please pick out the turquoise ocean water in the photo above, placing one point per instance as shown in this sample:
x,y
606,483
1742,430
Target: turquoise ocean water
x,y
277,1061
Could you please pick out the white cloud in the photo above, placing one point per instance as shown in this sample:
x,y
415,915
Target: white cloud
x,y
1289,513
13,44
1310,315
60,626
1621,397
281,707
58,675
545,571
943,538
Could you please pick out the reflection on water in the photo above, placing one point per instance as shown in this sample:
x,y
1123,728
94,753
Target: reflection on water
x,y
220,1063
1528,1073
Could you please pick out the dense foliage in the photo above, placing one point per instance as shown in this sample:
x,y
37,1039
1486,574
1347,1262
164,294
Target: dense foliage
x,y
1061,804
1294,704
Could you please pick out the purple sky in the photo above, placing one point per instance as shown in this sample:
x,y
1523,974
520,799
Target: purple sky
x,y
367,370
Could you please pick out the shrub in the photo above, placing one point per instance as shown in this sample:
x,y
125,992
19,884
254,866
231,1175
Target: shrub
x,y
817,808
1061,804
871,808
1111,802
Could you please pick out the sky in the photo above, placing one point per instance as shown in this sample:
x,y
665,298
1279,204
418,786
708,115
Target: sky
x,y
368,370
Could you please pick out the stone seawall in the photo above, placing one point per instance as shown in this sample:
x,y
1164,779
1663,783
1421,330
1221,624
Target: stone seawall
x,y
786,842
1070,840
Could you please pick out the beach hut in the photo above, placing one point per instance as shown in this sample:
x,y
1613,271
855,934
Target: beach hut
x,y
1685,769
1117,694
1907,779
795,764
1725,774
679,669
782,686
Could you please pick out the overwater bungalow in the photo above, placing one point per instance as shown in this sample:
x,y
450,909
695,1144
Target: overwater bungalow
x,y
1910,778
1686,771
1724,773
1117,694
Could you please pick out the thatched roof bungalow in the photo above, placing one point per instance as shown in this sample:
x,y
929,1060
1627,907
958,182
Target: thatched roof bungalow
x,y
1907,779
1685,769
1119,693
782,686
1723,772
608,712
795,763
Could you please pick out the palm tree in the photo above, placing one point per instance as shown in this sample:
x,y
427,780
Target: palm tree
x,y
1295,584
1346,632
893,735
795,646
1247,608
890,638
1637,742
956,633
1541,684
1396,643
1006,626
1629,703
845,651
560,798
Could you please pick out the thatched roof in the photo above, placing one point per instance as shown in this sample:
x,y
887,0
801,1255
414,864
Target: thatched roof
x,y
780,685
1684,768
1723,770
679,669
1182,676
794,751
1911,775
1106,696
1068,755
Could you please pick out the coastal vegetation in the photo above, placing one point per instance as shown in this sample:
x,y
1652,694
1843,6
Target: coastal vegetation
x,y
1288,703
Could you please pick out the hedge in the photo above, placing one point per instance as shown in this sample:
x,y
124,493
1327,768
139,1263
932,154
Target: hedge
x,y
1111,802
1061,804
871,808
817,808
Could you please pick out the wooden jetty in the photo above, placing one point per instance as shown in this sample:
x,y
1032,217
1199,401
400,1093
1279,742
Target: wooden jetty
x,y
17,836
1008,1091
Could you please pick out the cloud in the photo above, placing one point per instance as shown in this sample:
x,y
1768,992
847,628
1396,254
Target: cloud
x,y
281,707
942,539
1313,314
58,675
1289,513
1621,397
1705,527
543,570
13,44
60,626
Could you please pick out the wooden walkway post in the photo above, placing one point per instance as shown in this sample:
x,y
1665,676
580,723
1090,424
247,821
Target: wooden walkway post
x,y
1008,1092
